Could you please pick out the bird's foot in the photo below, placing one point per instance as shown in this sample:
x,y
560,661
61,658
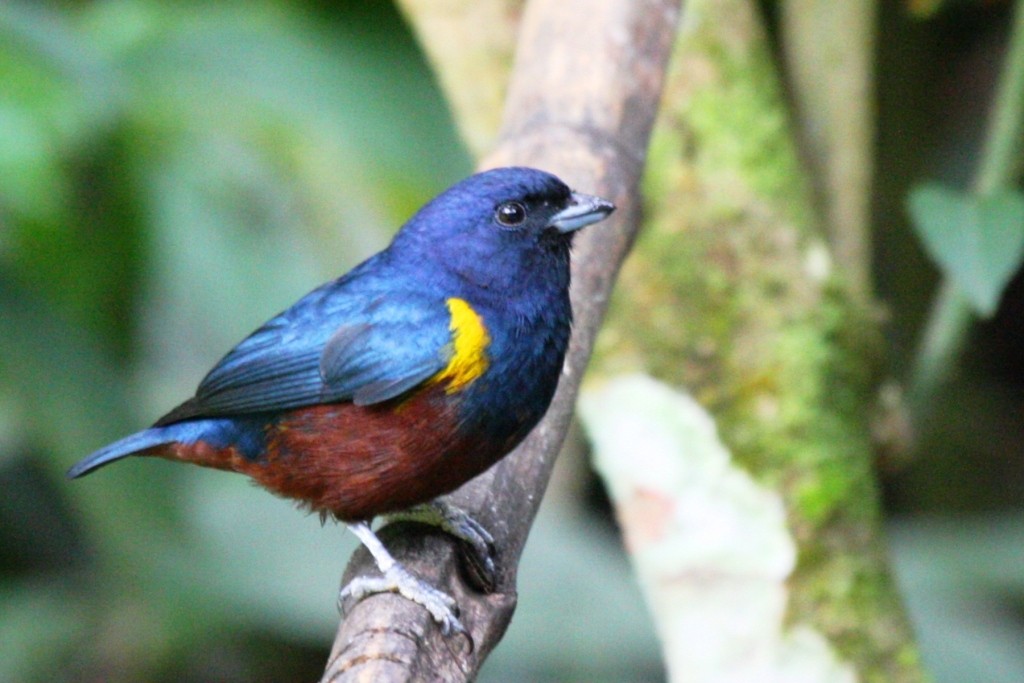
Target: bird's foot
x,y
456,522
397,579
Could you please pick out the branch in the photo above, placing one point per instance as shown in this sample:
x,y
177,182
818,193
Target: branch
x,y
829,50
581,103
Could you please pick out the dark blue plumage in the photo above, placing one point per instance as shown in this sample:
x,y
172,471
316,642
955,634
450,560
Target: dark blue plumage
x,y
404,378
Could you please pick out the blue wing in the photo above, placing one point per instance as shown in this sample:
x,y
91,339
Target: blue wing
x,y
343,341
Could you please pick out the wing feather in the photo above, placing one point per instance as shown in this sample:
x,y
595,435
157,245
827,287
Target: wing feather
x,y
335,344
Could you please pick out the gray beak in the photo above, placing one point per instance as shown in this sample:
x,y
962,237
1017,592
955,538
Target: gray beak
x,y
583,210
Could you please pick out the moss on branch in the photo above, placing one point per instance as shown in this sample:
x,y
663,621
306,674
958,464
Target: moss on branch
x,y
731,292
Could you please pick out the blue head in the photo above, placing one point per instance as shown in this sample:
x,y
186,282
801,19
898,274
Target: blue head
x,y
498,229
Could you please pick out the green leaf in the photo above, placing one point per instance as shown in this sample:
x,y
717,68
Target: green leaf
x,y
978,242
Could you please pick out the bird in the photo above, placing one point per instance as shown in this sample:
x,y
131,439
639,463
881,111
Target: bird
x,y
389,387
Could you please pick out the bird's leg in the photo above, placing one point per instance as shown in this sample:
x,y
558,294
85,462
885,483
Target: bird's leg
x,y
396,579
455,521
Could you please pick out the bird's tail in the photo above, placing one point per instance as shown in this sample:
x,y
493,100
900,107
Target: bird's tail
x,y
140,441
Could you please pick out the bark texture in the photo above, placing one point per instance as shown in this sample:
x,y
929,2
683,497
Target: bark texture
x,y
581,102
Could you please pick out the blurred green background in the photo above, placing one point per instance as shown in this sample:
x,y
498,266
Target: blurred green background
x,y
172,174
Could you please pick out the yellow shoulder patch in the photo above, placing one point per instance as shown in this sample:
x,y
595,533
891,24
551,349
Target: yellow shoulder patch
x,y
469,344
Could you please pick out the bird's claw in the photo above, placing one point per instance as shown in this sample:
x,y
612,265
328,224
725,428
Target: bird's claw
x,y
457,522
442,607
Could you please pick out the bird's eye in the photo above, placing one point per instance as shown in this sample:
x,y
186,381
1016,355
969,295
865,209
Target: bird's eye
x,y
510,214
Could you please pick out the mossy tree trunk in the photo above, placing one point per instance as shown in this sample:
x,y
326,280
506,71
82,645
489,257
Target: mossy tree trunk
x,y
732,388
